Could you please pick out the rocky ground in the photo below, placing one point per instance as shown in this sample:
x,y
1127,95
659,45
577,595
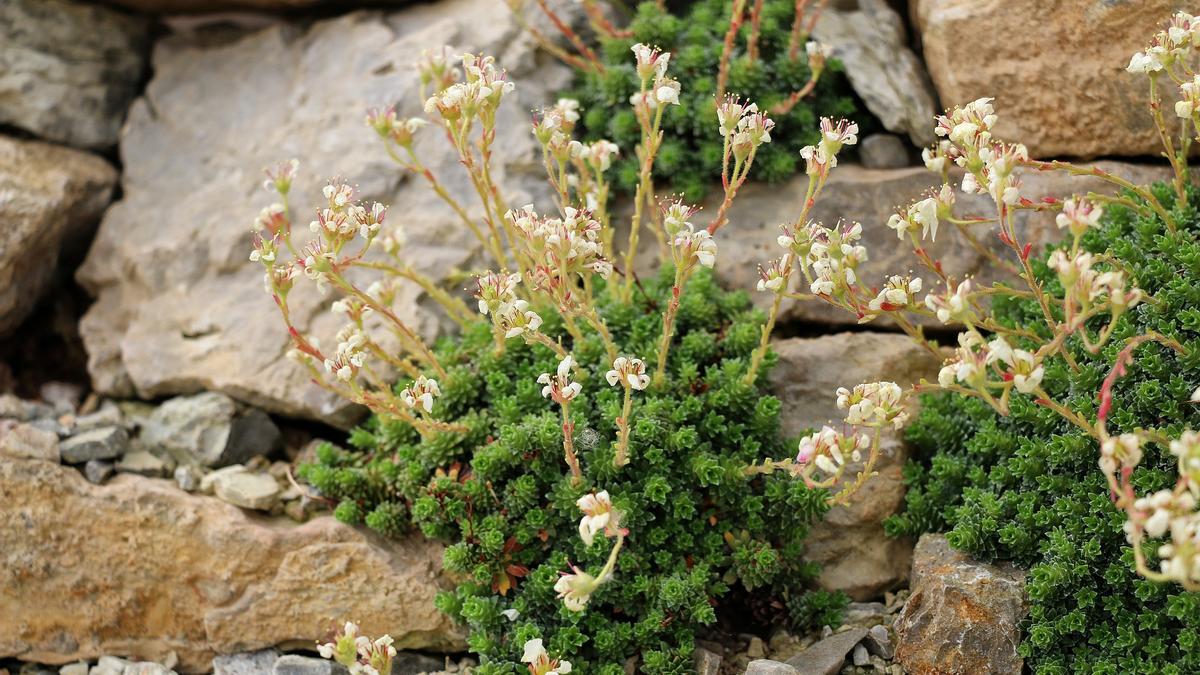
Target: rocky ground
x,y
150,425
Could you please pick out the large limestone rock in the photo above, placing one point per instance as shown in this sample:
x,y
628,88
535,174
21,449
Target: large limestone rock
x,y
869,37
201,6
855,555
48,195
1057,71
870,197
179,308
963,616
68,69
142,569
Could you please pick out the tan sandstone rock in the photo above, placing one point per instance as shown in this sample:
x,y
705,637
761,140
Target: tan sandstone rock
x,y
48,195
855,555
1056,70
141,569
179,307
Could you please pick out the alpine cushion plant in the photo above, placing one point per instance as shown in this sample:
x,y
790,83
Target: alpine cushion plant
x,y
596,509
758,50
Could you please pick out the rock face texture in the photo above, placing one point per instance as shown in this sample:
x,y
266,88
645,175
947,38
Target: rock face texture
x,y
870,197
1056,91
855,555
868,36
68,70
198,6
139,568
48,195
963,615
179,308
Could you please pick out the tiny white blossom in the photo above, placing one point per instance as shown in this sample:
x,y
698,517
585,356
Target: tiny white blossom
x,y
628,372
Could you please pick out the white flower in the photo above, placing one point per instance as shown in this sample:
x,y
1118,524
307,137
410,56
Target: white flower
x,y
540,662
836,134
698,245
1120,451
420,394
1078,214
559,386
495,291
1145,62
951,307
817,159
873,404
598,516
818,54
651,62
628,372
898,293
774,277
576,589
667,91
730,112
511,614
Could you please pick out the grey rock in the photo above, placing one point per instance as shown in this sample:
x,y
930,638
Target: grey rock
x,y
209,480
147,668
860,656
200,6
52,425
768,667
864,613
110,665
849,543
188,477
883,151
63,396
829,655
879,642
294,664
108,415
144,463
102,443
756,649
963,615
412,663
77,668
870,40
706,662
52,196
69,70
246,663
209,430
97,471
166,324
257,491
26,441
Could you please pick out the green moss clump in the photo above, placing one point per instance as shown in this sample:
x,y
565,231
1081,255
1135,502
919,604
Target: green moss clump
x,y
1028,487
702,534
690,158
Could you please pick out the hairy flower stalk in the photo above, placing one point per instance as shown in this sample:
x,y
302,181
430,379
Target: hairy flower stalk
x,y
689,248
629,374
560,387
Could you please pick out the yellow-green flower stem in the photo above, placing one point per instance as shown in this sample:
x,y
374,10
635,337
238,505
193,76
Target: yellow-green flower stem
x,y
682,273
423,350
455,307
594,318
644,193
1097,172
414,164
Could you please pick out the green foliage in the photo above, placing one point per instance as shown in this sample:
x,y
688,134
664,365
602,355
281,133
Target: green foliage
x,y
1028,488
690,158
701,532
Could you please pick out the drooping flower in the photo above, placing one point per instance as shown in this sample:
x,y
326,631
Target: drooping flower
x,y
952,306
628,372
559,385
420,394
598,516
1078,214
575,589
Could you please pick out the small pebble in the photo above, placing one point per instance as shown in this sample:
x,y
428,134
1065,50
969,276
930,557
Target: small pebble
x,y
757,649
98,470
860,655
103,443
188,477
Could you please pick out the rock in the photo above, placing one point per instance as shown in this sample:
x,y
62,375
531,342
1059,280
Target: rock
x,y
870,40
26,441
147,668
109,415
209,480
110,665
188,477
144,463
859,656
167,324
246,663
97,470
756,648
829,655
412,663
102,443
207,429
1073,99
293,664
879,642
864,614
69,70
849,543
248,490
707,663
51,195
870,197
64,397
199,6
963,615
883,151
158,571
768,667
77,668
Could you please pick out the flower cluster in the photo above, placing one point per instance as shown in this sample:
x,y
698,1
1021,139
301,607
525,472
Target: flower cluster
x,y
359,654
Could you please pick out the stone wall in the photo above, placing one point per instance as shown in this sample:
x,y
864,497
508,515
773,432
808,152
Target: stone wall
x,y
137,130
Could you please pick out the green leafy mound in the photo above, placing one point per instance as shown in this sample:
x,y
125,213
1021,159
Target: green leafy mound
x,y
1028,487
702,534
690,159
